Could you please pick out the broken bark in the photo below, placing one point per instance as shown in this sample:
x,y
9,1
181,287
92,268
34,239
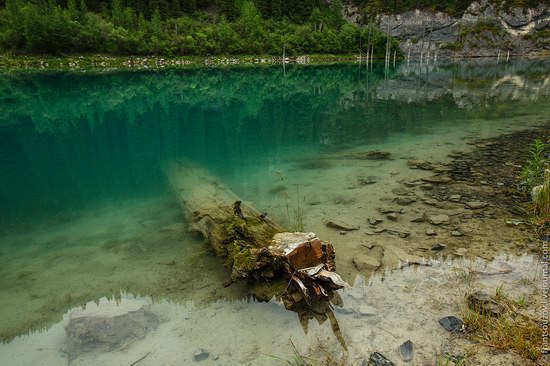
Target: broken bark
x,y
298,266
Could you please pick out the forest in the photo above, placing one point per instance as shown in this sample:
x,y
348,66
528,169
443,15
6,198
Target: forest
x,y
199,27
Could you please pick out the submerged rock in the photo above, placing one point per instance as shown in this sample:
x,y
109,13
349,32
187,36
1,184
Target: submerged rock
x,y
419,163
455,198
406,351
431,232
430,201
452,324
457,233
404,201
437,179
365,262
475,205
201,354
341,224
109,325
367,180
440,219
400,191
375,221
438,247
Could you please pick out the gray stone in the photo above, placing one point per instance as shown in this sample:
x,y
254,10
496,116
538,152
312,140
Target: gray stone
x,y
392,216
367,180
109,325
452,324
438,247
365,262
427,186
375,221
404,201
431,232
430,201
439,179
440,219
406,351
419,218
456,233
401,234
455,198
201,354
377,359
483,303
475,205
419,163
341,224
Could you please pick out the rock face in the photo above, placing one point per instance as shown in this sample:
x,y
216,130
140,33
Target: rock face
x,y
109,325
484,29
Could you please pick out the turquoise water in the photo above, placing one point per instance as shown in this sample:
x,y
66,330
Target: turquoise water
x,y
85,210
69,140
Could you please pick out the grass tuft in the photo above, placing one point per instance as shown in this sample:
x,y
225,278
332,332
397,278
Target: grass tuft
x,y
510,331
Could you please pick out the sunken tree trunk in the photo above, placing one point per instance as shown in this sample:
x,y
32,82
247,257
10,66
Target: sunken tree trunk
x,y
297,266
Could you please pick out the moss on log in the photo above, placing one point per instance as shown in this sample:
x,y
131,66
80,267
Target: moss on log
x,y
251,244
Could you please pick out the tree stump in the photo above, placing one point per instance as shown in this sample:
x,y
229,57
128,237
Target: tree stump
x,y
297,266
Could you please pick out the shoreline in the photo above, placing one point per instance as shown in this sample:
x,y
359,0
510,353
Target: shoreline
x,y
86,62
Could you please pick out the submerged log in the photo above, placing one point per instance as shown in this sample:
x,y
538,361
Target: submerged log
x,y
298,266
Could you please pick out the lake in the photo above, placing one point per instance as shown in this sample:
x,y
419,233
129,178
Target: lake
x,y
87,215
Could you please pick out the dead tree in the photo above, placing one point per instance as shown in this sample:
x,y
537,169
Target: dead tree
x,y
296,266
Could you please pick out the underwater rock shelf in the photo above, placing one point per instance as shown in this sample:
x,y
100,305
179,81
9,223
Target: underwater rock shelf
x,y
297,267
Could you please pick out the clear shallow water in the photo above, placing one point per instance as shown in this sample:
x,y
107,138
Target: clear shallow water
x,y
85,210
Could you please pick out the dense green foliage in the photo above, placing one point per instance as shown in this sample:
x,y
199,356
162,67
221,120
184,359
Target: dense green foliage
x,y
198,27
179,28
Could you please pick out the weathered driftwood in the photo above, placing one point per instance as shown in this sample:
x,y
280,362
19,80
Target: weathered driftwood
x,y
297,266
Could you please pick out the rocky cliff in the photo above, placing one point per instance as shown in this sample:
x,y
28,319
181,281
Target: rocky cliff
x,y
485,29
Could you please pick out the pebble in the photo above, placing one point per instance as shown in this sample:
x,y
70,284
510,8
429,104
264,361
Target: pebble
x,y
341,224
406,351
427,186
438,247
375,221
455,198
439,219
456,233
452,324
474,205
364,262
367,180
430,201
201,354
404,201
431,232
400,191
392,216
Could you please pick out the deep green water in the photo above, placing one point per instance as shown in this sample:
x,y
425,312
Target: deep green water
x,y
69,140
